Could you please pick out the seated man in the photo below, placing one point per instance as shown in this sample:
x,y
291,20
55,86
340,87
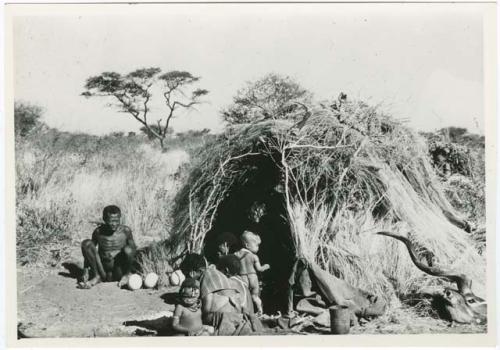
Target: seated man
x,y
110,254
220,308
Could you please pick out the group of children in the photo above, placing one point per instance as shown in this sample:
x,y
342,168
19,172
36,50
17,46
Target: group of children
x,y
241,268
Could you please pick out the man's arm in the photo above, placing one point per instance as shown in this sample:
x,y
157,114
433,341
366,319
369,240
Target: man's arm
x,y
289,307
94,236
206,303
130,239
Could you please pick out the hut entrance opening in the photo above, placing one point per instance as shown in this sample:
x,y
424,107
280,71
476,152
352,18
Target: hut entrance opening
x,y
258,205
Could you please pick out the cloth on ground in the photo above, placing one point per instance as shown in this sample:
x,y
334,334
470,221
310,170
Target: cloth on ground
x,y
331,291
311,306
328,286
233,323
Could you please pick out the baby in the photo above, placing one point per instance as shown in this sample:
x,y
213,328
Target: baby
x,y
187,314
250,265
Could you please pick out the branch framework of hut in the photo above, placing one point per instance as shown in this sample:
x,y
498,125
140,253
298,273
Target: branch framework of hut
x,y
319,189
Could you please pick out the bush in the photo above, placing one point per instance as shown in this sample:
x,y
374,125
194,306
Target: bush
x,y
271,97
459,157
43,231
26,117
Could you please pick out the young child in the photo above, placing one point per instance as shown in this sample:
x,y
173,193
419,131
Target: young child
x,y
187,314
250,265
110,254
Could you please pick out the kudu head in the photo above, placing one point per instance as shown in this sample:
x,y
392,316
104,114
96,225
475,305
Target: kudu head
x,y
458,305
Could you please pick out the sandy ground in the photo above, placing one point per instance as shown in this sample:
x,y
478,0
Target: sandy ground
x,y
50,305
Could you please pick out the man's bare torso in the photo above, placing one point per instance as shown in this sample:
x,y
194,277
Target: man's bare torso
x,y
111,243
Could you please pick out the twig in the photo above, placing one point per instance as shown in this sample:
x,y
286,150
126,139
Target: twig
x,y
317,147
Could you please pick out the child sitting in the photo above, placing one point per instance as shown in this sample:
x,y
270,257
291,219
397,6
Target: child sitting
x,y
187,314
250,265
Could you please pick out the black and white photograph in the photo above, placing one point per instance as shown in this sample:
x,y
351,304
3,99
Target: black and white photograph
x,y
287,170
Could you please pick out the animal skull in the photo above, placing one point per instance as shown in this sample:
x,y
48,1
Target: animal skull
x,y
460,305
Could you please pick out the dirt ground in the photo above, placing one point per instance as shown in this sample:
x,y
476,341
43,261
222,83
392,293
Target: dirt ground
x,y
50,305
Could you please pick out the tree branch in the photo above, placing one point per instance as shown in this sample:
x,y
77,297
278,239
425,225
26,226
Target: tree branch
x,y
190,104
317,147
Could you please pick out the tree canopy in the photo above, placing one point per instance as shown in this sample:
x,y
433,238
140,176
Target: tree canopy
x,y
271,97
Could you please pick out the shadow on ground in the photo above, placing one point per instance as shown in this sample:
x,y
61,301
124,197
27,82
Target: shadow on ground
x,y
160,327
73,270
170,298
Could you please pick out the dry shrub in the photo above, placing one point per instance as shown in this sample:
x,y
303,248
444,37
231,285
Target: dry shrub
x,y
43,232
155,259
467,194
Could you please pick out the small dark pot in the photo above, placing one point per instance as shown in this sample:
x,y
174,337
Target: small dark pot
x,y
340,319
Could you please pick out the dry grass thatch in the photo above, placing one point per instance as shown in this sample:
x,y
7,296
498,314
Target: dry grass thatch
x,y
346,171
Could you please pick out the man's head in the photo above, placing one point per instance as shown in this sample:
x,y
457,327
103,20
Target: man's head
x,y
250,241
112,216
225,243
230,265
189,291
193,265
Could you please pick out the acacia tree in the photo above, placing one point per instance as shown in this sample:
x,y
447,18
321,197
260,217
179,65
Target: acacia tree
x,y
134,92
271,97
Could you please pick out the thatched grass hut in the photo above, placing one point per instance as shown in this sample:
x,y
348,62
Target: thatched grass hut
x,y
319,189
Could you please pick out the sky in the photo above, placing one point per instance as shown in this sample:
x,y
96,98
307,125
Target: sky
x,y
423,64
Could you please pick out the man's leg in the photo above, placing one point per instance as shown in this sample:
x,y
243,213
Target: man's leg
x,y
124,262
92,260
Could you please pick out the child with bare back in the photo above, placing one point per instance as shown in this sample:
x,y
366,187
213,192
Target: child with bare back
x,y
250,265
187,315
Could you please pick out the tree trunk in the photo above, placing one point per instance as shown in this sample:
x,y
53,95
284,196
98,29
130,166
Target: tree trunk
x,y
162,143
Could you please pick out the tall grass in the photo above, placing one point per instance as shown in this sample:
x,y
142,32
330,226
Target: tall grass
x,y
63,181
